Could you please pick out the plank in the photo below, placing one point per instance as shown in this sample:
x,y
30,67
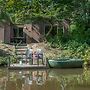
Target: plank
x,y
26,66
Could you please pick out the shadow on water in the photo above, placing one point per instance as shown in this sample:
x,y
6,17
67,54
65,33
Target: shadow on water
x,y
54,79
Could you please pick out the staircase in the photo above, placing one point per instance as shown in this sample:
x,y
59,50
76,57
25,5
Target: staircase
x,y
34,34
20,51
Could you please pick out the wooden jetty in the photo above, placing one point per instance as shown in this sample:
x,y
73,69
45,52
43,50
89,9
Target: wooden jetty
x,y
27,66
28,59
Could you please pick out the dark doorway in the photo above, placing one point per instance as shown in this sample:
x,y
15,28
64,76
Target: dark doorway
x,y
18,35
53,32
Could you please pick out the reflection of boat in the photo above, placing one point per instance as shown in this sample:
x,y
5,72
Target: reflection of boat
x,y
65,63
54,79
66,77
65,72
70,79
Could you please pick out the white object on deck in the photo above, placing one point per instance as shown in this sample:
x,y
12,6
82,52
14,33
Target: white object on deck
x,y
40,53
20,62
29,53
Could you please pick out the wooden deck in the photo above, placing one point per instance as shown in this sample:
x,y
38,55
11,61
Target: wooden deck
x,y
26,66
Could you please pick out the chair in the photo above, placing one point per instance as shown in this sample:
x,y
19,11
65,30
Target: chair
x,y
29,55
35,55
40,55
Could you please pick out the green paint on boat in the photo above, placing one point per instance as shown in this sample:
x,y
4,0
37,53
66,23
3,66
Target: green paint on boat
x,y
65,63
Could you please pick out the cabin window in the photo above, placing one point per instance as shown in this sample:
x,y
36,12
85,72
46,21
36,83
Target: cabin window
x,y
18,35
21,32
14,32
18,32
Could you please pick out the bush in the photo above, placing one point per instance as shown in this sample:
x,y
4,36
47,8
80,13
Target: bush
x,y
3,61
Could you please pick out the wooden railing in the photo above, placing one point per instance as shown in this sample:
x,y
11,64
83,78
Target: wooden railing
x,y
33,34
18,39
10,57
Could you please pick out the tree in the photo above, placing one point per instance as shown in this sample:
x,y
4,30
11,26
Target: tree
x,y
28,11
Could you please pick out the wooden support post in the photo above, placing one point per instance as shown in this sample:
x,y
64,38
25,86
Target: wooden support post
x,y
42,59
9,61
32,59
38,61
47,65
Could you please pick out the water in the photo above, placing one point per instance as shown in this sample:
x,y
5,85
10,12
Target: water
x,y
53,79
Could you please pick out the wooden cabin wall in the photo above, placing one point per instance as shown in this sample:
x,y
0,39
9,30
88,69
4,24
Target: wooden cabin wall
x,y
7,29
1,33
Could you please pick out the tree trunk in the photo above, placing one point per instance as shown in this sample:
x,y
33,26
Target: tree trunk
x,y
51,26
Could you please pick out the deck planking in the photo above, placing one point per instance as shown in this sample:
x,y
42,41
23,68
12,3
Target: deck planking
x,y
27,66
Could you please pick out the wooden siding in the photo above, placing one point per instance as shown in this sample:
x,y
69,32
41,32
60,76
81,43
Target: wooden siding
x,y
32,31
1,33
7,33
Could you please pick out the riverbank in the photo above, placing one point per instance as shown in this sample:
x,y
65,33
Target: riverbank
x,y
73,50
5,51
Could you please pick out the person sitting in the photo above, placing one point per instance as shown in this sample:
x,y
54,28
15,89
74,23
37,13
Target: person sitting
x,y
35,53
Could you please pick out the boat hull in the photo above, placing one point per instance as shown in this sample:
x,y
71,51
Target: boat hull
x,y
70,63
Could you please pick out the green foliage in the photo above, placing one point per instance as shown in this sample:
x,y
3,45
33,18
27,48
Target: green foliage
x,y
22,10
76,41
3,61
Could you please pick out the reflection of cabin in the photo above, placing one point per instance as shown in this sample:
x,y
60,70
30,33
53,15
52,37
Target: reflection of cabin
x,y
25,33
24,80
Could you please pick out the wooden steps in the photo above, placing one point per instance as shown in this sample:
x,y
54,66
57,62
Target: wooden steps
x,y
24,62
21,52
34,34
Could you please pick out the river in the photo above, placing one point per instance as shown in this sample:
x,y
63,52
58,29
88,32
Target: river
x,y
49,79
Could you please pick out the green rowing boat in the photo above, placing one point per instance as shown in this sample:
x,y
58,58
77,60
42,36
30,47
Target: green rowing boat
x,y
65,63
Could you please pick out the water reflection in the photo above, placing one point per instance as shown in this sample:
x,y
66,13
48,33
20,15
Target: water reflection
x,y
26,79
73,80
56,79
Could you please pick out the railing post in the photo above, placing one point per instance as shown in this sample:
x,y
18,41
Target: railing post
x,y
47,65
9,61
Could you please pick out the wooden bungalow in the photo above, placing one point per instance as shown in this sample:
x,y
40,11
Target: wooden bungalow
x,y
25,33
